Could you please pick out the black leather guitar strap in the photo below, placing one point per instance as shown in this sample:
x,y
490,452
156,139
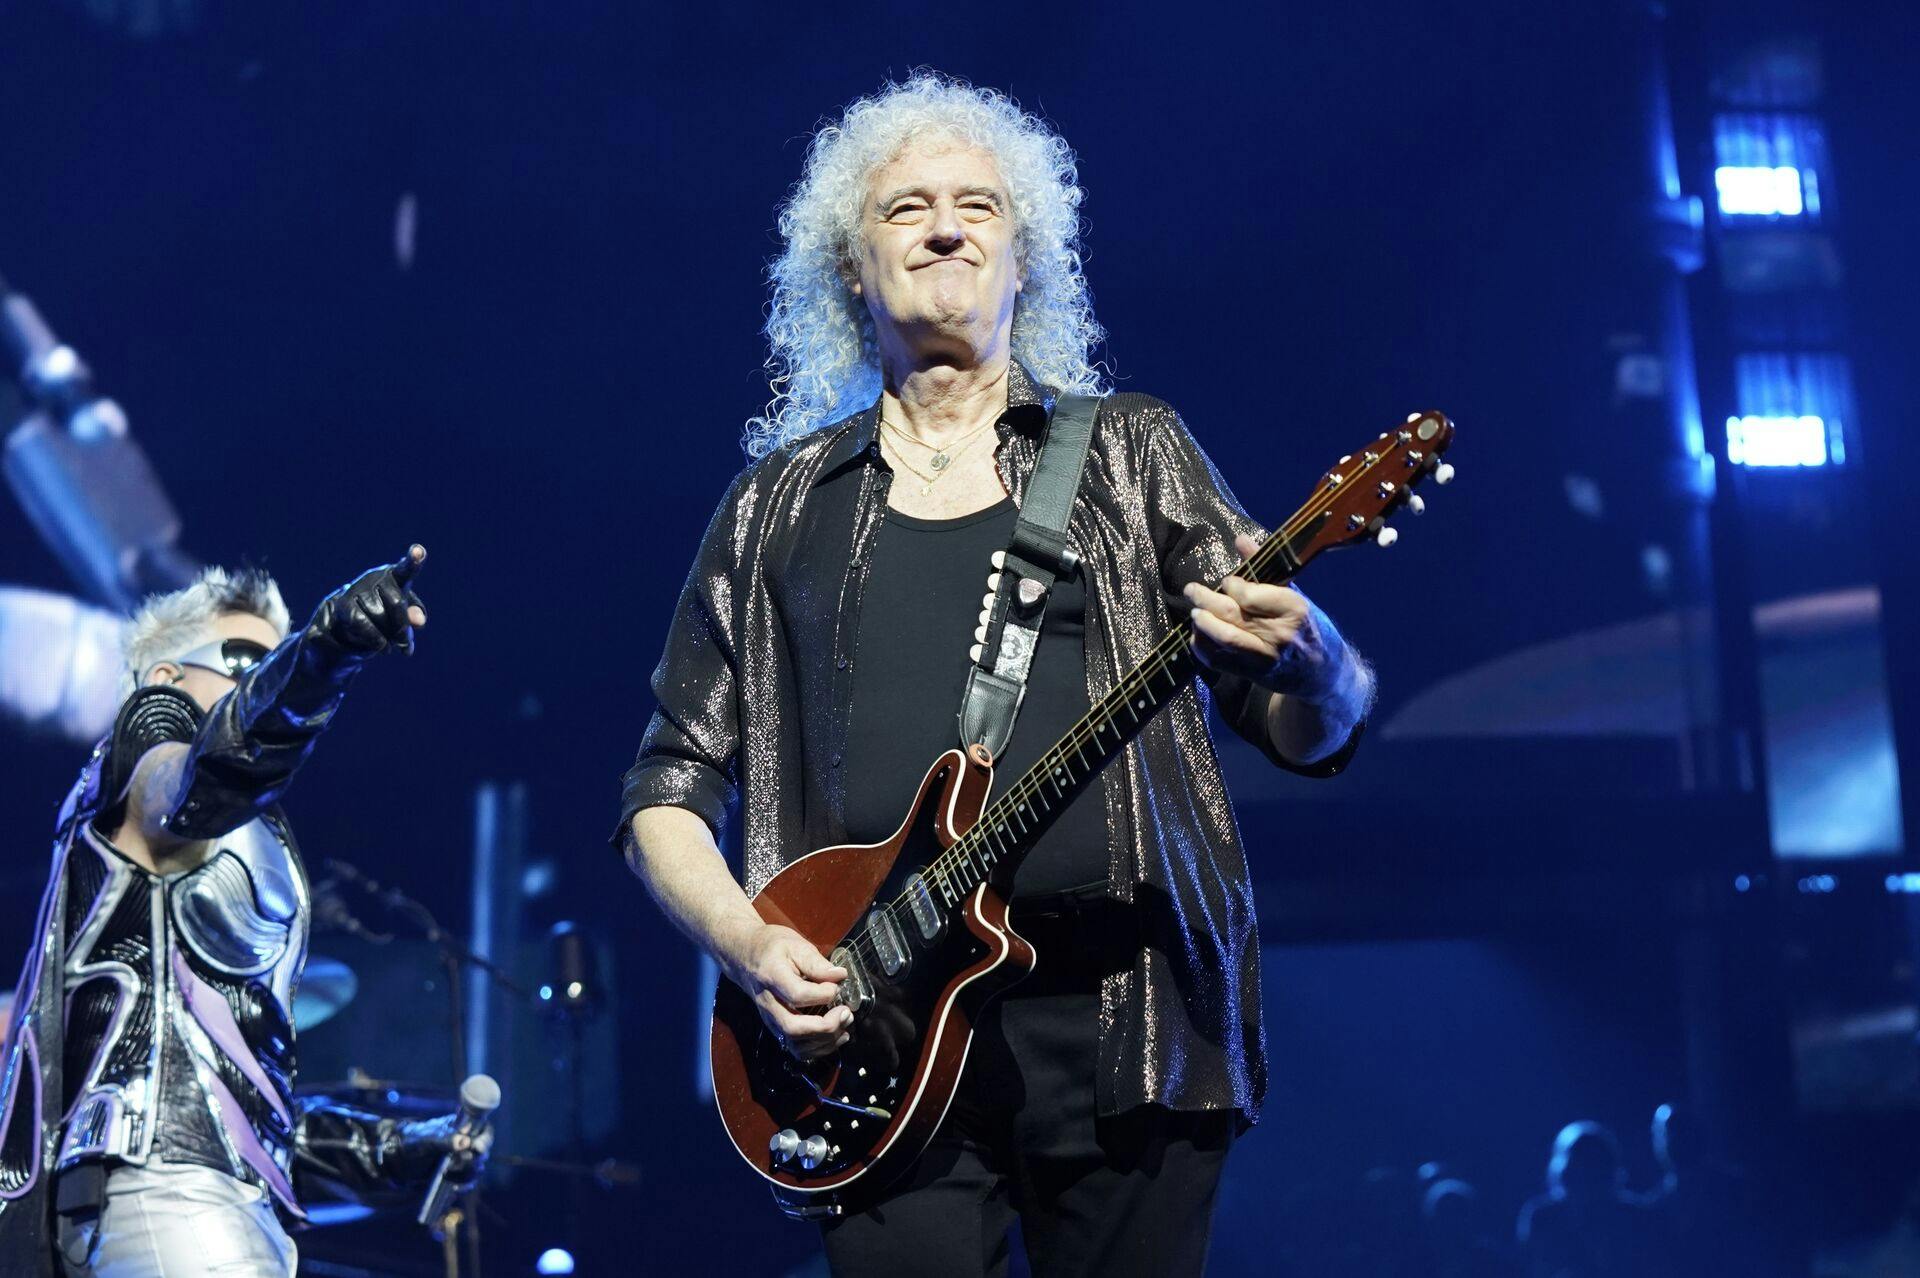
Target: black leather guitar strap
x,y
1037,557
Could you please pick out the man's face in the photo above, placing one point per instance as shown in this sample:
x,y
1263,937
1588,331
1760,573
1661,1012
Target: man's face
x,y
207,686
935,262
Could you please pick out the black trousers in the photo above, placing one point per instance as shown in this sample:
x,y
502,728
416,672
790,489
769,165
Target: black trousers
x,y
1131,1194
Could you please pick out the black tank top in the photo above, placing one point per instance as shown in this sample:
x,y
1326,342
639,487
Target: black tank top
x,y
921,605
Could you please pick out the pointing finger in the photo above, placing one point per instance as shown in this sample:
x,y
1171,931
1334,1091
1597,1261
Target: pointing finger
x,y
407,567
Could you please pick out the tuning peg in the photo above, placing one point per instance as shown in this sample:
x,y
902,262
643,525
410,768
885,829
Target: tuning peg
x,y
1417,504
1386,537
1443,473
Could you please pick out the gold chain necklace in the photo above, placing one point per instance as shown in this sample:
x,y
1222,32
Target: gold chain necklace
x,y
942,459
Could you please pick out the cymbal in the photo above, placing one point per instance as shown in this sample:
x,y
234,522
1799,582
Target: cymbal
x,y
390,1098
326,986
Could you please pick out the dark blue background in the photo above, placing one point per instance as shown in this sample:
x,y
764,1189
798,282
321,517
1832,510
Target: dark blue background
x,y
1304,221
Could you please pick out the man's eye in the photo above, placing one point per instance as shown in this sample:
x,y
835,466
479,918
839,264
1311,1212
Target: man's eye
x,y
902,210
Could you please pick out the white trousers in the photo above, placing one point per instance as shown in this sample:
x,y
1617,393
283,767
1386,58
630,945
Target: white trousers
x,y
175,1220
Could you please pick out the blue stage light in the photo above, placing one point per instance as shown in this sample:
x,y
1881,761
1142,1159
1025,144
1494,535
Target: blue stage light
x,y
1777,441
1759,191
554,1260
1768,165
1792,410
1742,883
1904,884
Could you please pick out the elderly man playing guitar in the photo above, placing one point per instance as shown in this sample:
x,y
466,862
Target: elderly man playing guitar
x,y
902,1083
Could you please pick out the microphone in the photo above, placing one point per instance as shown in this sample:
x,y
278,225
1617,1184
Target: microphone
x,y
479,1097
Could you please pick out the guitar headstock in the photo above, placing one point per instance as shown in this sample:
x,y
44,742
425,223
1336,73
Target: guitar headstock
x,y
1361,493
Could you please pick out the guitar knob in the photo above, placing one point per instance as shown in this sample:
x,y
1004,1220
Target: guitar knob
x,y
1443,473
1386,537
814,1152
784,1145
1417,504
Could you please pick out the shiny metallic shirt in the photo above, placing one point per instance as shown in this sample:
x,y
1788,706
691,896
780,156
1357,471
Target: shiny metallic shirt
x,y
755,682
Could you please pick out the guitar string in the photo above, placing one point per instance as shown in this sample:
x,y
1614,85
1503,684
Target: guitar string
x,y
1160,660
1173,647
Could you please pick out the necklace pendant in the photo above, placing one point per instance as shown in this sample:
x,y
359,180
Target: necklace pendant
x,y
939,461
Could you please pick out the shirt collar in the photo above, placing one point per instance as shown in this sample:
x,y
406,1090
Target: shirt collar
x,y
1028,405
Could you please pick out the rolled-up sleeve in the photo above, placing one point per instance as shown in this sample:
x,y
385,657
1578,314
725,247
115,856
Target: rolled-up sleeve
x,y
689,755
1193,518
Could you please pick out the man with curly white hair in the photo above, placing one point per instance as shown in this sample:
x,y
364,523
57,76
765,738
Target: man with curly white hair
x,y
148,1125
928,309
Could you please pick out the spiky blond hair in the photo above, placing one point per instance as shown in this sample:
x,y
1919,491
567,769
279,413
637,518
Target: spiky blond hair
x,y
168,625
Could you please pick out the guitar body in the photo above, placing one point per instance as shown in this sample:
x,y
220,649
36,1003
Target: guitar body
x,y
872,1106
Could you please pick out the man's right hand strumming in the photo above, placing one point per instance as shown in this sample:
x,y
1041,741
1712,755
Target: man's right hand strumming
x,y
791,983
789,980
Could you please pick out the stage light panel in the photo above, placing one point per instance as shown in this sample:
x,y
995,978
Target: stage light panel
x,y
1768,166
1792,410
1777,441
1759,191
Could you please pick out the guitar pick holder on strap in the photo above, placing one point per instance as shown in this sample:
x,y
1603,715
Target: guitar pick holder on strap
x,y
1037,557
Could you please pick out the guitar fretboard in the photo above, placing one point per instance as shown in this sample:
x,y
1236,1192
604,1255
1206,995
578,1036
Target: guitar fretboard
x,y
1369,487
1006,829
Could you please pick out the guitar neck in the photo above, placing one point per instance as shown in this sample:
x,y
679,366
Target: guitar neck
x,y
1005,830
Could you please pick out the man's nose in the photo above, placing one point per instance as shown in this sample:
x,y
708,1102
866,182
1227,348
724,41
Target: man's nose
x,y
948,232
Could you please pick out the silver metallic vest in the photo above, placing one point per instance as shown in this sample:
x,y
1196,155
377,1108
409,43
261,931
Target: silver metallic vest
x,y
180,1001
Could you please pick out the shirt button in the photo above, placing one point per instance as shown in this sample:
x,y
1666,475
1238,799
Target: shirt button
x,y
842,663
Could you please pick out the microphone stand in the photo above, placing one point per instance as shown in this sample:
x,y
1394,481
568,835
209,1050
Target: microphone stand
x,y
455,956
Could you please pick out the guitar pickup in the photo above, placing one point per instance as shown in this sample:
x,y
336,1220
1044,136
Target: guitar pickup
x,y
889,944
928,919
854,993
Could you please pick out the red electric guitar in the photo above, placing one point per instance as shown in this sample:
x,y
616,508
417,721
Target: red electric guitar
x,y
918,922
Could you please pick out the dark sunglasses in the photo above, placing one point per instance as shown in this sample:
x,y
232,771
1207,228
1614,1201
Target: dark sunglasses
x,y
229,657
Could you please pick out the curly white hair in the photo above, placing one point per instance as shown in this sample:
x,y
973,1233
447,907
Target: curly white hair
x,y
823,361
172,624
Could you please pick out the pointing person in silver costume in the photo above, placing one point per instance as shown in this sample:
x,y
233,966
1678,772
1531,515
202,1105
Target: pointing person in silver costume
x,y
148,1126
